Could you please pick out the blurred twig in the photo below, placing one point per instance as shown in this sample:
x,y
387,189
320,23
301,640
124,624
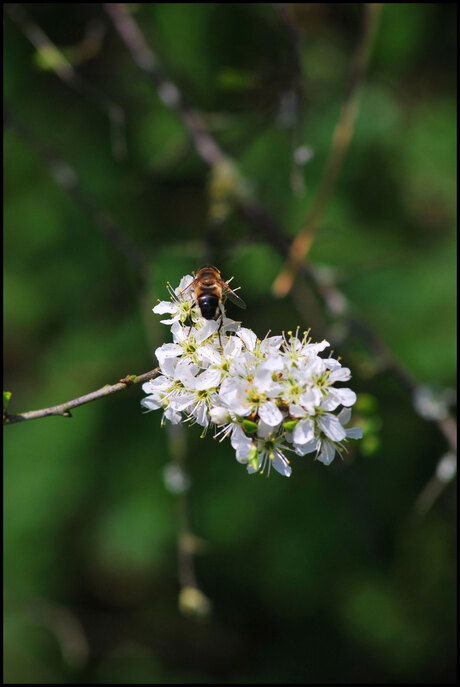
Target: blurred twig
x,y
342,136
168,93
192,601
54,59
64,409
65,626
290,114
445,472
66,176
205,144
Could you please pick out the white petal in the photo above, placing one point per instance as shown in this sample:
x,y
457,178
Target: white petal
x,y
271,344
172,416
263,380
303,449
336,397
270,414
233,394
155,385
182,401
243,365
296,411
233,347
172,320
264,431
168,350
208,379
165,306
332,363
342,374
168,366
184,373
303,432
210,327
229,325
347,397
354,433
184,282
281,465
180,333
344,416
151,403
314,349
208,354
314,367
311,399
330,401
327,453
248,338
201,415
273,362
331,427
241,443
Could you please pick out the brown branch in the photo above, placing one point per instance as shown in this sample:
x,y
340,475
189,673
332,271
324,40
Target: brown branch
x,y
341,139
64,409
64,70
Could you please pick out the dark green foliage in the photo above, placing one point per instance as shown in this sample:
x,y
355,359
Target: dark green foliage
x,y
327,576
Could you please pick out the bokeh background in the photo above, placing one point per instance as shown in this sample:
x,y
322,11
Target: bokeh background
x,y
339,574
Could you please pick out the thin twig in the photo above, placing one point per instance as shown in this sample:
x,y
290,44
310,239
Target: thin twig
x,y
292,99
445,472
64,409
66,177
342,136
168,93
64,70
178,482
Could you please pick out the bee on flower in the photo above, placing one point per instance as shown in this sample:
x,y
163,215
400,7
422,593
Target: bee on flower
x,y
270,397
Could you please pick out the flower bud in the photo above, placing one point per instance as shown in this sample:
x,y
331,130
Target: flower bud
x,y
219,415
250,427
253,458
193,602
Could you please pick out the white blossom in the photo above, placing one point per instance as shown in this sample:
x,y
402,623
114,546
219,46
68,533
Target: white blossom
x,y
269,396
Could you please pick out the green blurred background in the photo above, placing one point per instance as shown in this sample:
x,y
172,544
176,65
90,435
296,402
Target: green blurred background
x,y
325,577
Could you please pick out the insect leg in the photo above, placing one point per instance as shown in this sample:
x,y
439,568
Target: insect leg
x,y
222,310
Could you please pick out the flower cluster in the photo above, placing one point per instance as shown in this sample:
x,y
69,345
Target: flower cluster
x,y
270,396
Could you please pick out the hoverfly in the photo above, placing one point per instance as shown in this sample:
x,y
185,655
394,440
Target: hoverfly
x,y
210,292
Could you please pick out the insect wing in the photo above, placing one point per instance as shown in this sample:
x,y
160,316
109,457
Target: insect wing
x,y
185,293
231,295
